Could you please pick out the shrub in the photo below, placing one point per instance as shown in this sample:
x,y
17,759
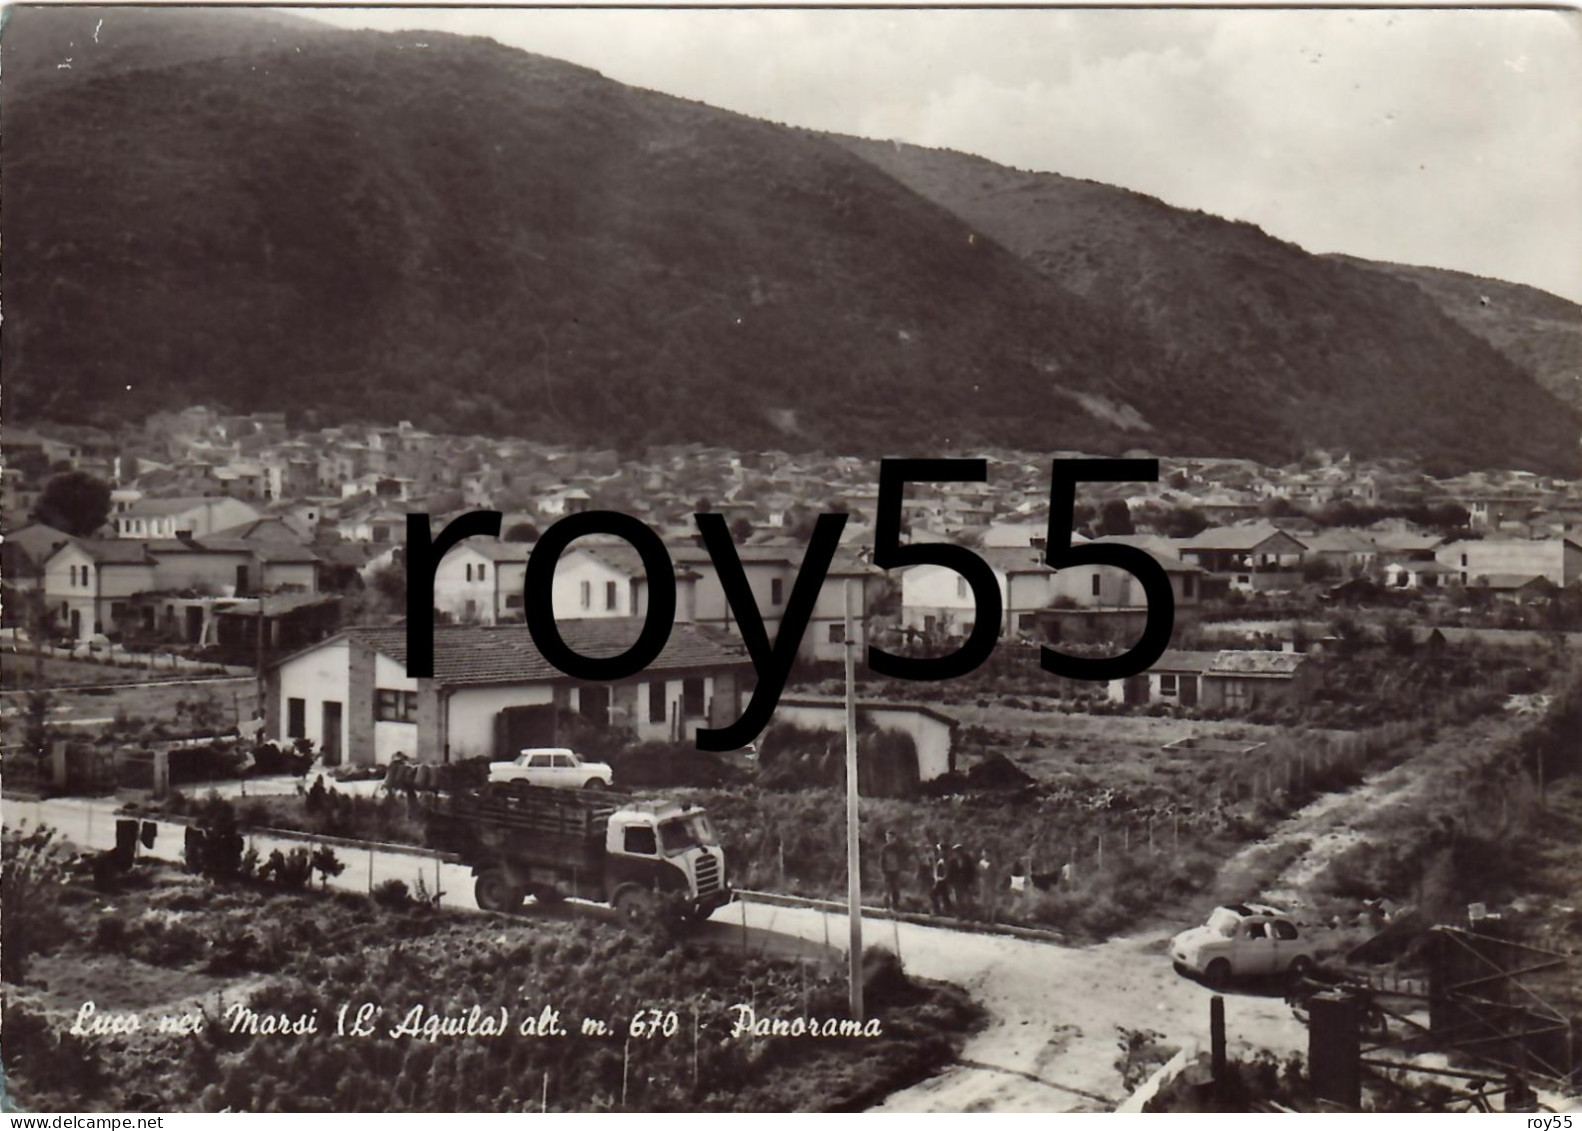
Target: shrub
x,y
391,893
32,870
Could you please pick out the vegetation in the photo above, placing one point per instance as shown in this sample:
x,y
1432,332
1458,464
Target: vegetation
x,y
75,502
160,938
1092,323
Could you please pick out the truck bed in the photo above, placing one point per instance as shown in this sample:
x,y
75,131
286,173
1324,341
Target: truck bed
x,y
514,819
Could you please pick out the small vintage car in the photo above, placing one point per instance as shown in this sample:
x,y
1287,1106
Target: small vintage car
x,y
1243,940
553,766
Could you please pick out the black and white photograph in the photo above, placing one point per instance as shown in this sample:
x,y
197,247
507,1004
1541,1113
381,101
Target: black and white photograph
x,y
745,559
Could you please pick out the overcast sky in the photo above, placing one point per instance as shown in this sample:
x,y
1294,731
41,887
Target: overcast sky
x,y
1451,138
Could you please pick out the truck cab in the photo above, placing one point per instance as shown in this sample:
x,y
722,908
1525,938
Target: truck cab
x,y
655,849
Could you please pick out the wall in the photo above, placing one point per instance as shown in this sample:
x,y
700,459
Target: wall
x,y
211,569
453,589
473,709
931,736
577,568
301,576
316,676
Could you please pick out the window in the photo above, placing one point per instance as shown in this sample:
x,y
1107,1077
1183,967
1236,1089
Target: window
x,y
1284,931
692,698
468,568
296,718
658,709
539,762
1026,622
1167,685
74,575
1098,585
1188,585
513,600
609,594
1463,561
563,762
117,611
776,591
639,841
1236,692
483,572
472,609
1256,931
837,634
391,706
587,594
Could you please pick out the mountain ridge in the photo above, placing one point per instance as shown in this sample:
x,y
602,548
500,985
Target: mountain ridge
x,y
489,240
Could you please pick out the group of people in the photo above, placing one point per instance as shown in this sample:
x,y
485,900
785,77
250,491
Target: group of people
x,y
958,882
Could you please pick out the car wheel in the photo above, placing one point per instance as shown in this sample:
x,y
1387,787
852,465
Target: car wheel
x,y
1301,967
494,891
1217,973
593,783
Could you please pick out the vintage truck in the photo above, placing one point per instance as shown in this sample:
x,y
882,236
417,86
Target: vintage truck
x,y
640,856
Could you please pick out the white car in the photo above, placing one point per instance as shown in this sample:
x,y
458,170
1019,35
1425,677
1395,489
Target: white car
x,y
553,766
1243,940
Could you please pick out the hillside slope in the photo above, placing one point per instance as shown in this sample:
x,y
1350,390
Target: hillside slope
x,y
1540,332
483,239
269,214
1298,345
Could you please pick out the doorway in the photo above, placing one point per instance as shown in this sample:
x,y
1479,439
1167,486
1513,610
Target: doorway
x,y
330,744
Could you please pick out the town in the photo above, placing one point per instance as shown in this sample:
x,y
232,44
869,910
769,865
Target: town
x,y
214,604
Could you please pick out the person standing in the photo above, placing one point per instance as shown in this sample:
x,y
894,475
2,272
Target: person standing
x,y
986,889
961,871
939,892
890,867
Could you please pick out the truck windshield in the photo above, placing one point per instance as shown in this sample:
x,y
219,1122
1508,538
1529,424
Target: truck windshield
x,y
681,833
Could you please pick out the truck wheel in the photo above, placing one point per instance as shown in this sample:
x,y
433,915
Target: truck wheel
x,y
494,891
636,905
547,895
1217,973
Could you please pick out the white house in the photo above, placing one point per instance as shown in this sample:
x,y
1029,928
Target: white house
x,y
198,516
480,581
492,692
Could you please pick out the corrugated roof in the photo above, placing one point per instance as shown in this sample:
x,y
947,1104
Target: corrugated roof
x,y
1181,660
1257,663
466,655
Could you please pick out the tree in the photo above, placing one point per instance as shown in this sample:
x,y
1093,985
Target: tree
x,y
1115,517
1181,522
742,529
75,502
702,505
522,532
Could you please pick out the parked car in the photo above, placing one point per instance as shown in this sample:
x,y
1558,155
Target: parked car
x,y
1243,940
553,766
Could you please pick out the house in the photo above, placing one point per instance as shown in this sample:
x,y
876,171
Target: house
x,y
284,623
1417,575
89,583
1345,551
24,551
938,601
1102,586
198,516
1255,556
492,692
1406,545
771,572
1229,680
932,732
481,581
1176,677
1515,588
598,579
233,567
1558,559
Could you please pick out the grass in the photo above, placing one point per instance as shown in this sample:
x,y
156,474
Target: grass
x,y
163,943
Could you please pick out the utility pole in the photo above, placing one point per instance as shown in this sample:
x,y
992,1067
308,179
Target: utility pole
x,y
853,858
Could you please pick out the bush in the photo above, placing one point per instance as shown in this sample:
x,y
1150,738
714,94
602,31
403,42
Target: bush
x,y
391,894
32,871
